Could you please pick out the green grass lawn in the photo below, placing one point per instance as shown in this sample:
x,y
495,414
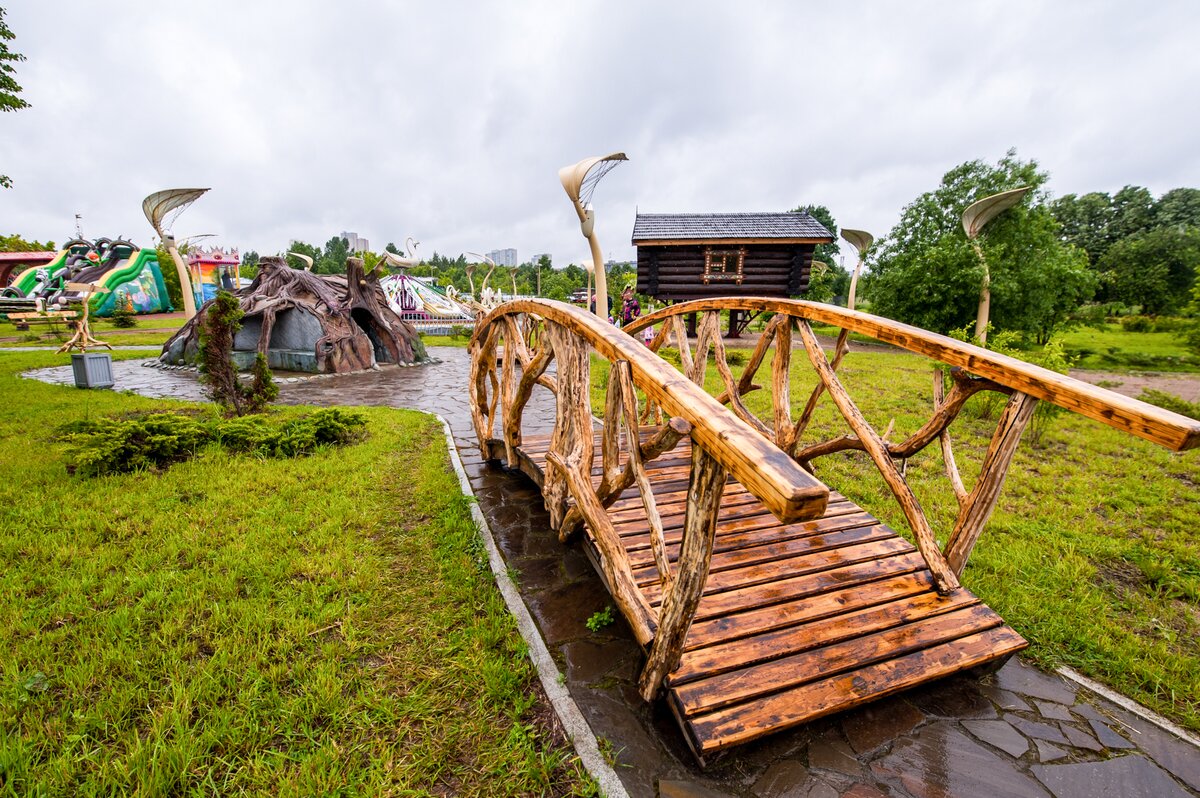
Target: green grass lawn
x,y
1093,552
325,625
1114,349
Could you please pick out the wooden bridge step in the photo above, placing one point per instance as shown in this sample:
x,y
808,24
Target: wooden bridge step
x,y
796,620
753,719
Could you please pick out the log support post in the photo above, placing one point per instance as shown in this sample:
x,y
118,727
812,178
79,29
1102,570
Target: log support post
x,y
977,509
706,483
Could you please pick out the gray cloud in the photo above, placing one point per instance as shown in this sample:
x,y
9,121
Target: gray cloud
x,y
449,123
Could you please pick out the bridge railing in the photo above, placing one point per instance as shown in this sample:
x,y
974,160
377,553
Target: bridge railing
x,y
977,369
512,350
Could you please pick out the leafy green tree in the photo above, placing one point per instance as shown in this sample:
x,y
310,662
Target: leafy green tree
x,y
1156,269
9,88
15,243
303,249
1179,207
170,277
248,268
1086,222
333,258
832,281
926,272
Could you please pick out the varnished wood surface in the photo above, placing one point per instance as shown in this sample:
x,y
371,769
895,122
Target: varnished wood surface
x,y
1147,421
789,491
795,620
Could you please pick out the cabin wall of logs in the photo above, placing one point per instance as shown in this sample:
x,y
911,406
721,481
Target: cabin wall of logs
x,y
670,272
650,406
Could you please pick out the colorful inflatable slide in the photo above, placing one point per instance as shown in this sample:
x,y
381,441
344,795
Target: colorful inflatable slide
x,y
130,273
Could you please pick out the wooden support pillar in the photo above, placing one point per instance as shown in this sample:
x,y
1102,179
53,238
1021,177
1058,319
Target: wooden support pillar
x,y
706,483
735,316
977,509
691,325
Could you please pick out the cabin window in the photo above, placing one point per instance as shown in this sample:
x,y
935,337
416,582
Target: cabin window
x,y
724,265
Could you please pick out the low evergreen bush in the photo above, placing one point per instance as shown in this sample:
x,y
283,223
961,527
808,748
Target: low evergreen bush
x,y
156,441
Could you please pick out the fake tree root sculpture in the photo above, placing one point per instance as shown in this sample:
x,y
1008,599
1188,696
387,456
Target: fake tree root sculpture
x,y
324,323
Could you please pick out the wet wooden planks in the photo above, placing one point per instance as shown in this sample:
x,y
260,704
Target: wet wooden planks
x,y
797,620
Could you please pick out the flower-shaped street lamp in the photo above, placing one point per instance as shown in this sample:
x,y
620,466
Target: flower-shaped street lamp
x,y
974,218
579,181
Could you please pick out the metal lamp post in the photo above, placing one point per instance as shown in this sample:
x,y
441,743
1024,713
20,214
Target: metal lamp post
x,y
974,218
579,181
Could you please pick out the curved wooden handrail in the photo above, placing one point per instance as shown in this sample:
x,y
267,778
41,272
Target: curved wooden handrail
x,y
1161,426
787,490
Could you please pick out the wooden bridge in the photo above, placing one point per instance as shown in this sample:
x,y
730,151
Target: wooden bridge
x,y
763,598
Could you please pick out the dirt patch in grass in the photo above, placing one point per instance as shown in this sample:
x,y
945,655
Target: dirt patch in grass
x,y
1185,386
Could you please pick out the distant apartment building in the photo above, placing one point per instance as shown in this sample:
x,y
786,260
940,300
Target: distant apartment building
x,y
538,257
354,243
504,257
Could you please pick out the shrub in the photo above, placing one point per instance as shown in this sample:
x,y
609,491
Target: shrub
x,y
154,442
123,315
1137,324
1171,402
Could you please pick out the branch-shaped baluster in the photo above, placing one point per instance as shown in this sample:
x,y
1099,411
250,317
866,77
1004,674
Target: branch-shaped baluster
x,y
746,383
652,409
731,389
664,440
708,329
614,562
572,440
658,542
839,351
781,384
483,359
681,342
510,422
532,374
610,434
939,397
944,578
964,387
706,483
974,514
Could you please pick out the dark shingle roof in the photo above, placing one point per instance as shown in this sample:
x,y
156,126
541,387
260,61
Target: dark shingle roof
x,y
721,226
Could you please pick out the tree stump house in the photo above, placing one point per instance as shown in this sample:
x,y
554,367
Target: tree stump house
x,y
684,256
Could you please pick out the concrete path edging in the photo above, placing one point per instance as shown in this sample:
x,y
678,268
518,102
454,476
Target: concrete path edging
x,y
576,726
1148,715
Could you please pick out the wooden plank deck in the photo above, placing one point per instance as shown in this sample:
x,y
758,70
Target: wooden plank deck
x,y
797,620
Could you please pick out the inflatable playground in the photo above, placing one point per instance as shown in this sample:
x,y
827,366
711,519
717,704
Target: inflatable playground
x,y
424,305
128,276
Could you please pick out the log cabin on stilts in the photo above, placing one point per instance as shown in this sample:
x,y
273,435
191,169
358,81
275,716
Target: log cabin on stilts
x,y
686,256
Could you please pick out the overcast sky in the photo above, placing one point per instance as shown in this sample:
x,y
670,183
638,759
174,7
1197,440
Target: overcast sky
x,y
449,121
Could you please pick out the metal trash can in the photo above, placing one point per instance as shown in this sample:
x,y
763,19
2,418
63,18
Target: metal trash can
x,y
92,369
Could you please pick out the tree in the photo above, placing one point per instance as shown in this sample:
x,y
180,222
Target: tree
x,y
1179,207
826,283
1086,222
170,275
926,272
9,88
15,243
1156,269
303,249
333,259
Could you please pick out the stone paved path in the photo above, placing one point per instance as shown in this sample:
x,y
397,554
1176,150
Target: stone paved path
x,y
1019,732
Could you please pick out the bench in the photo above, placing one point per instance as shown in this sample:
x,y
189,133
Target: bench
x,y
22,321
